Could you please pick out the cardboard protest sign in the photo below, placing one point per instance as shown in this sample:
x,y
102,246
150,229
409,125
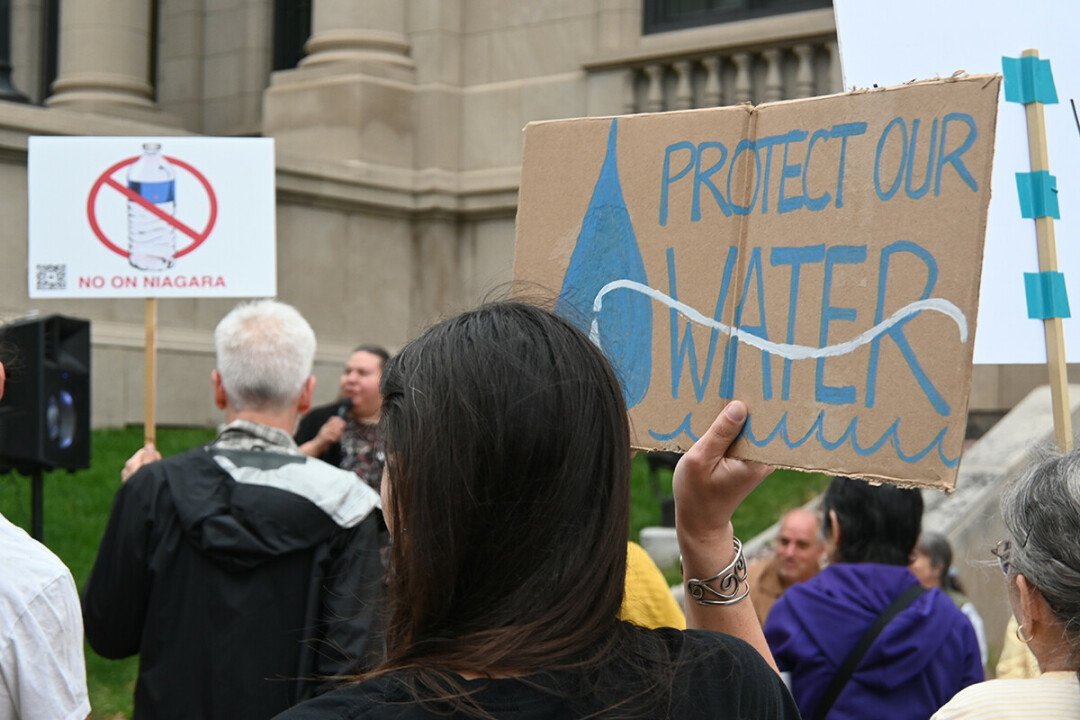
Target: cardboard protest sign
x,y
818,259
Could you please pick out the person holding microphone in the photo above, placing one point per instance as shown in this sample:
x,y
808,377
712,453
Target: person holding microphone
x,y
345,433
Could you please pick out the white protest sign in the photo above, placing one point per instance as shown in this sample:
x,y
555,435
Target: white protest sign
x,y
889,43
148,217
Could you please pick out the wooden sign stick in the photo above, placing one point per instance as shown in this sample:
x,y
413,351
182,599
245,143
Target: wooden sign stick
x,y
149,433
1044,233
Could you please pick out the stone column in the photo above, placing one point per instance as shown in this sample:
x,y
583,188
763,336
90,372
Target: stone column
x,y
353,97
105,58
357,31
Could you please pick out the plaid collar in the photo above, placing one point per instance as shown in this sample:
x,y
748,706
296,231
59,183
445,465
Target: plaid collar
x,y
247,435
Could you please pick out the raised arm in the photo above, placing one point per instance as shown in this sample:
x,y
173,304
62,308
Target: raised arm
x,y
708,486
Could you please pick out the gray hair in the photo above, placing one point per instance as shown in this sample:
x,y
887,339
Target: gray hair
x,y
1041,512
265,350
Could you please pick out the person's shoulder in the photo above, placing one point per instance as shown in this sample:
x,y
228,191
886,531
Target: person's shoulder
x,y
26,561
808,590
319,414
707,648
327,409
761,566
345,482
1051,695
369,700
331,472
342,495
750,687
161,478
182,462
941,603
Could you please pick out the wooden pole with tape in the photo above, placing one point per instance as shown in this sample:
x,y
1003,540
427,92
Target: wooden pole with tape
x,y
149,430
1044,233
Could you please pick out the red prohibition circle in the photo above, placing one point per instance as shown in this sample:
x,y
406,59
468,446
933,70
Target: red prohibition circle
x,y
198,238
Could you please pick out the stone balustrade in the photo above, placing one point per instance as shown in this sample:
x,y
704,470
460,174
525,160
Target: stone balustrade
x,y
729,76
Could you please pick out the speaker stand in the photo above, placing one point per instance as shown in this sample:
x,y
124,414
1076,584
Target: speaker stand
x,y
37,506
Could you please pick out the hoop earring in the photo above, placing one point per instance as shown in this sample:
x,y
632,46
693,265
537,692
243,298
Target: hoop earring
x,y
1020,635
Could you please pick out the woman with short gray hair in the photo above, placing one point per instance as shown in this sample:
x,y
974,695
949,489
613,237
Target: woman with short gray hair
x,y
1040,558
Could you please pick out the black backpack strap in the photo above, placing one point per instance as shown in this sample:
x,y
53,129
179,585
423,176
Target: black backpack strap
x,y
856,655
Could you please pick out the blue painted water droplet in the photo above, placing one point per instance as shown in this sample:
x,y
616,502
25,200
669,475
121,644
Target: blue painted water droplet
x,y
607,250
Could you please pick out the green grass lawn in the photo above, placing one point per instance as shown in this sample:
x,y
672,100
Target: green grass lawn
x,y
781,491
77,509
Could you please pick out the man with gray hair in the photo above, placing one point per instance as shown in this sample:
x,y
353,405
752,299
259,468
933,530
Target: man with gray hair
x,y
244,574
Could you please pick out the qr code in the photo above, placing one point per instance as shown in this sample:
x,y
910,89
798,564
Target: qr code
x,y
52,277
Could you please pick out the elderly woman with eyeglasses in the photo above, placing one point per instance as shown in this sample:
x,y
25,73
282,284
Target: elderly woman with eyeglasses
x,y
1041,560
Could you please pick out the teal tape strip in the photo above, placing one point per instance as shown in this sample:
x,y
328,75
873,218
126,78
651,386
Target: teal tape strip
x,y
1028,79
1038,194
1046,296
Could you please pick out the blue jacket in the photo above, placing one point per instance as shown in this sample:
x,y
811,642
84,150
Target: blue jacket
x,y
923,657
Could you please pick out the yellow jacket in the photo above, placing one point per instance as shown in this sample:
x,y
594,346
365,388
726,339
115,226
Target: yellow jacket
x,y
648,601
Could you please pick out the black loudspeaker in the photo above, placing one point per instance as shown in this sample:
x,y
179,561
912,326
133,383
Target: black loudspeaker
x,y
45,411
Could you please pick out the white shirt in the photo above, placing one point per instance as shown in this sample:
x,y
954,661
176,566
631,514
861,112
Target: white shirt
x,y
1050,696
42,668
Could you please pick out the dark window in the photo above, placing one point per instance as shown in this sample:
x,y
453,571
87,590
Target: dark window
x,y
663,15
50,46
292,27
7,90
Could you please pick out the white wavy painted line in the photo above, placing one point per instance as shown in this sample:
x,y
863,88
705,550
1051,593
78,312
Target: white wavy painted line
x,y
792,352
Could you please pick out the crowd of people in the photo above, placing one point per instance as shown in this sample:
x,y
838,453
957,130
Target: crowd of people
x,y
449,538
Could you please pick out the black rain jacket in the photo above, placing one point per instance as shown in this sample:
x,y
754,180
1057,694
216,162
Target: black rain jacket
x,y
245,580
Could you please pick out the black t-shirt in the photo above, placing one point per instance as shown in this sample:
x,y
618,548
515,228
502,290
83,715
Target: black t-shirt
x,y
715,676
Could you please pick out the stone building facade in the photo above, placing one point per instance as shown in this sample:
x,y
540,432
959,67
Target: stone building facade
x,y
398,143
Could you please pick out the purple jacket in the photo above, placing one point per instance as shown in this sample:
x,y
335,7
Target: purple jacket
x,y
923,657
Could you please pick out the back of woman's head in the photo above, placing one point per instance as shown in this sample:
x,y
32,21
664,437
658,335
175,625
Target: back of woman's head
x,y
508,459
939,556
937,550
1041,512
878,523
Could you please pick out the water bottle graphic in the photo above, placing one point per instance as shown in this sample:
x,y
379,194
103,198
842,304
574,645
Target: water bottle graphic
x,y
151,240
607,250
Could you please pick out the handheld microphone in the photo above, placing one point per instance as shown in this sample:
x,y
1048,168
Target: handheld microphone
x,y
344,407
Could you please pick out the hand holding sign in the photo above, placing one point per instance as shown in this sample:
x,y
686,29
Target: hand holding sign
x,y
708,485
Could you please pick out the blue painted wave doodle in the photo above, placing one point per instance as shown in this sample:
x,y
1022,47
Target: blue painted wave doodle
x,y
800,352
890,436
785,350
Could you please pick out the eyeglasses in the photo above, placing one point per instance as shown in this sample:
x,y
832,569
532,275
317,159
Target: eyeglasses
x,y
1002,551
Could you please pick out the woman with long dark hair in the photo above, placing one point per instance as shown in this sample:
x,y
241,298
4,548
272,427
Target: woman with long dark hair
x,y
507,496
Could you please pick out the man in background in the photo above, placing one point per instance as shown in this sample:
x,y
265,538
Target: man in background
x,y
798,550
244,574
42,670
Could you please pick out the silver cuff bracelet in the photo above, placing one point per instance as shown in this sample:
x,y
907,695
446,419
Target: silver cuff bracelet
x,y
731,583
